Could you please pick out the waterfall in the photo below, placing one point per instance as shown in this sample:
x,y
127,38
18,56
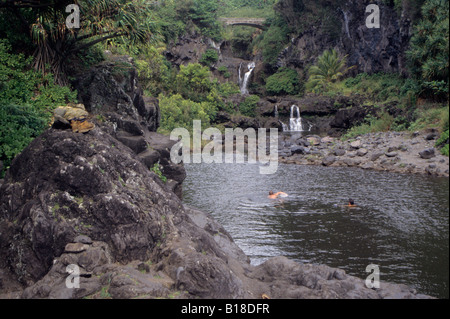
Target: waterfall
x,y
276,111
285,127
243,83
216,47
240,77
295,123
346,21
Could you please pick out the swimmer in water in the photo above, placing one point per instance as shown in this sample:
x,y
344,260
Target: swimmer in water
x,y
273,195
351,203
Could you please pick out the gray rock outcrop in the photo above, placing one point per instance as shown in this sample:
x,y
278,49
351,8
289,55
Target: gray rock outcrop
x,y
111,93
400,152
369,49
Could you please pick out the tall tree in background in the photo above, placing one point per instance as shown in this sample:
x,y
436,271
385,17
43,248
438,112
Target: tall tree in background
x,y
100,20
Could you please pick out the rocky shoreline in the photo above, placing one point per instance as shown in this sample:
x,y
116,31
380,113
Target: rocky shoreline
x,y
399,152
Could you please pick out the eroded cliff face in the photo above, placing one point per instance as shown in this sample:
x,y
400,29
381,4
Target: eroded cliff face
x,y
342,25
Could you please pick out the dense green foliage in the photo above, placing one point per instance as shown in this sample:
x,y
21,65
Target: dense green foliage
x,y
209,57
443,142
273,40
379,87
284,82
198,96
19,125
204,15
180,112
155,72
27,99
54,42
429,51
194,82
247,107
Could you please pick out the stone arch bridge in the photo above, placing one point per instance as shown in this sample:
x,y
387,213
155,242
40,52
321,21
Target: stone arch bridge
x,y
251,22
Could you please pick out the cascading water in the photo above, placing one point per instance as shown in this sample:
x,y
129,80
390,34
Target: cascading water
x,y
243,83
295,123
346,21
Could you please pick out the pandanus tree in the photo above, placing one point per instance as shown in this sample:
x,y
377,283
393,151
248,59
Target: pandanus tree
x,y
100,20
329,68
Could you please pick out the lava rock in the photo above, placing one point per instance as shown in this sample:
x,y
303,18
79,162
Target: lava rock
x,y
339,152
427,153
328,160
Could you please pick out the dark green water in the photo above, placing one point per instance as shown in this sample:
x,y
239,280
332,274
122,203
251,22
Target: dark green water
x,y
401,223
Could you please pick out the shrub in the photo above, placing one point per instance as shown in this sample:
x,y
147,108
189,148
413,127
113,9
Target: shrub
x,y
154,73
284,82
445,150
209,57
382,86
228,88
275,39
372,124
194,81
19,125
177,112
443,142
224,71
247,107
27,100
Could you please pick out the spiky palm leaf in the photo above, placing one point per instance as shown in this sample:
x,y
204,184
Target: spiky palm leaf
x,y
428,56
329,68
100,20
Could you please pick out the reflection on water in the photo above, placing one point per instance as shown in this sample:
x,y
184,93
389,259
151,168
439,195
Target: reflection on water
x,y
401,222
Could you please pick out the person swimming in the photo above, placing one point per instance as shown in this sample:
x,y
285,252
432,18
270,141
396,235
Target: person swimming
x,y
273,195
351,203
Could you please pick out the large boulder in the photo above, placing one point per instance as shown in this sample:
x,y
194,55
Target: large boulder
x,y
111,89
111,93
64,185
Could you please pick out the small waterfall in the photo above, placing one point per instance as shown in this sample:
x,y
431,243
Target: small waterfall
x,y
240,77
276,111
285,127
216,47
243,83
346,21
295,123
